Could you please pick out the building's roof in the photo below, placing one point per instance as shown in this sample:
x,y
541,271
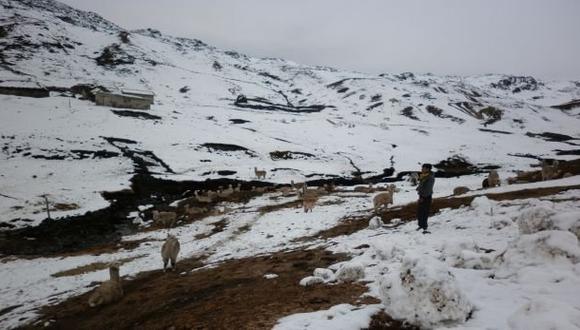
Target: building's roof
x,y
98,91
137,92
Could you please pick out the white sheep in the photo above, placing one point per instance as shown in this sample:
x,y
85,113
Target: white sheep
x,y
203,199
109,291
166,219
169,251
384,198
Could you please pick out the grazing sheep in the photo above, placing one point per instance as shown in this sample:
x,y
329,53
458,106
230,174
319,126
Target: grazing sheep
x,y
330,188
260,173
212,194
460,190
363,189
203,199
166,219
226,192
549,172
384,198
189,210
285,190
109,291
259,189
169,251
493,179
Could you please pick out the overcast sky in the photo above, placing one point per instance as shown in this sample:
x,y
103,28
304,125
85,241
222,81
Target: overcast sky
x,y
534,37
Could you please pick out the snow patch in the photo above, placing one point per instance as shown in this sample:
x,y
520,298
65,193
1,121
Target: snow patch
x,y
424,293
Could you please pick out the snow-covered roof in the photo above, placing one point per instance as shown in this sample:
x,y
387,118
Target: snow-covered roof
x,y
137,92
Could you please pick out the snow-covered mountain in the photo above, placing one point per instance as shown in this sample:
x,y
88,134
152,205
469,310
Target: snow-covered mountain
x,y
498,258
294,121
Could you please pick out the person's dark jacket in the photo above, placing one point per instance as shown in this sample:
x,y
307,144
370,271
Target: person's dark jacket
x,y
425,187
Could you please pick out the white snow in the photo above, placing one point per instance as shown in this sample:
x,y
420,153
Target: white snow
x,y
489,265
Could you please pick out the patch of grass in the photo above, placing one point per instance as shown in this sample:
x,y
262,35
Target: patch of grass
x,y
92,267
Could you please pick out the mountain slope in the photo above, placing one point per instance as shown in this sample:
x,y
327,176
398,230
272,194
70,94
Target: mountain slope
x,y
331,122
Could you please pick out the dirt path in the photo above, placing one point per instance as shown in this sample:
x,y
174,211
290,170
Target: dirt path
x,y
234,295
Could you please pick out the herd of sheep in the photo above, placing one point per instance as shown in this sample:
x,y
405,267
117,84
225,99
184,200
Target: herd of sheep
x,y
111,290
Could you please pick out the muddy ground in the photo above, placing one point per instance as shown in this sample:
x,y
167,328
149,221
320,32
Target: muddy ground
x,y
234,295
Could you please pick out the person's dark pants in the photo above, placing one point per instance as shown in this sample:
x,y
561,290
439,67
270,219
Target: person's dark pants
x,y
423,209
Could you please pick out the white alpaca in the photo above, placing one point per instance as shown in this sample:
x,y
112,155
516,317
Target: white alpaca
x,y
384,198
169,251
309,199
297,186
259,173
109,291
166,219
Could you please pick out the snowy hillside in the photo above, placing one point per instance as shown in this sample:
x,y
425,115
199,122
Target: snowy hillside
x,y
219,114
377,121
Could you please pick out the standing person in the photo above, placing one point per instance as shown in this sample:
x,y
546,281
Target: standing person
x,y
425,191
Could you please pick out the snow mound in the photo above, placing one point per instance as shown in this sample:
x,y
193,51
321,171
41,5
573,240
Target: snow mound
x,y
500,223
375,223
542,248
339,317
535,220
324,273
386,251
569,221
311,280
545,315
350,272
424,293
483,205
464,253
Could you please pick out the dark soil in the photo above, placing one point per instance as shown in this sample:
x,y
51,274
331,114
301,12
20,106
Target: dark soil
x,y
233,295
551,137
136,114
259,103
228,148
494,131
285,155
439,113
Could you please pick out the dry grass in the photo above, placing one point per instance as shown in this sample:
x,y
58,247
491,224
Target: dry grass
x,y
92,267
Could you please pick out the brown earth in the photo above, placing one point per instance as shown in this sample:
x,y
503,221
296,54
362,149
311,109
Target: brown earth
x,y
233,295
